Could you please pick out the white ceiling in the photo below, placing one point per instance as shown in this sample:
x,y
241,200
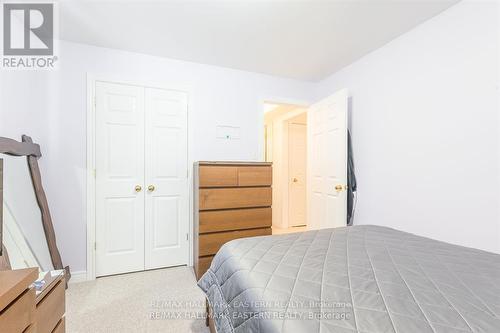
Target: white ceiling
x,y
306,40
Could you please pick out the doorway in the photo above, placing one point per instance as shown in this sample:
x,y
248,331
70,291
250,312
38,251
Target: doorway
x,y
285,143
308,192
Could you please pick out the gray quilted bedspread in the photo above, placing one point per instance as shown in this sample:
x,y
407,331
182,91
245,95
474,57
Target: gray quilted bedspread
x,y
352,279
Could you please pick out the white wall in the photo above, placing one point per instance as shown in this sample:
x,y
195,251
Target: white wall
x,y
425,123
51,106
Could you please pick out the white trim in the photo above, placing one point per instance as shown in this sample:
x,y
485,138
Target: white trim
x,y
77,277
90,178
91,80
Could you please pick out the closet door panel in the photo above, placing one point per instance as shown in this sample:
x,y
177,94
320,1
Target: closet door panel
x,y
119,169
165,235
166,200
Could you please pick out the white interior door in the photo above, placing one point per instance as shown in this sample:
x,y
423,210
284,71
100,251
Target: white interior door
x,y
297,159
167,218
119,178
327,162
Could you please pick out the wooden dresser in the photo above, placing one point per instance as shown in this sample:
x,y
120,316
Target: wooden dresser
x,y
51,304
17,300
24,309
232,200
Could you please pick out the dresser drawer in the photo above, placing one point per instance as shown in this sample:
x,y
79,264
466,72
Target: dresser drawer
x,y
20,314
211,243
30,329
255,176
203,265
50,309
226,198
218,176
61,326
223,220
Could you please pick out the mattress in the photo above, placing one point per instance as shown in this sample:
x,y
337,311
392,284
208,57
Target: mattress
x,y
352,279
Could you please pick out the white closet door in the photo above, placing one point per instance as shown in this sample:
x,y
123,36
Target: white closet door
x,y
327,162
119,174
167,219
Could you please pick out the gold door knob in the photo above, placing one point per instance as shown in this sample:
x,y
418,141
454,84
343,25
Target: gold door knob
x,y
338,188
138,188
295,180
151,188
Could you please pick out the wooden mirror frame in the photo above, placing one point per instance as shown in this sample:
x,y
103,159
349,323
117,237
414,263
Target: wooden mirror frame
x,y
33,153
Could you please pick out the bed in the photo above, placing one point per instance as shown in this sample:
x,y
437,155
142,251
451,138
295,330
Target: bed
x,y
352,279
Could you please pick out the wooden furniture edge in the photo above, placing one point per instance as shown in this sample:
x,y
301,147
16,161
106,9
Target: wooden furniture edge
x,y
4,260
50,307
15,148
48,287
232,163
196,215
32,152
41,199
61,326
15,284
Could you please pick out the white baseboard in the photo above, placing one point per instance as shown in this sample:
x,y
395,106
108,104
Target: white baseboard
x,y
77,277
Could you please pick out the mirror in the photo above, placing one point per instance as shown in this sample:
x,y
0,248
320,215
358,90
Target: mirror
x,y
23,234
26,228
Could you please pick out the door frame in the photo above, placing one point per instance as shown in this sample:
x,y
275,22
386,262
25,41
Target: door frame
x,y
90,159
284,165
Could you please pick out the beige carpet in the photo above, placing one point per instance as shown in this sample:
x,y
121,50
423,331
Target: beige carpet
x,y
280,231
137,302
